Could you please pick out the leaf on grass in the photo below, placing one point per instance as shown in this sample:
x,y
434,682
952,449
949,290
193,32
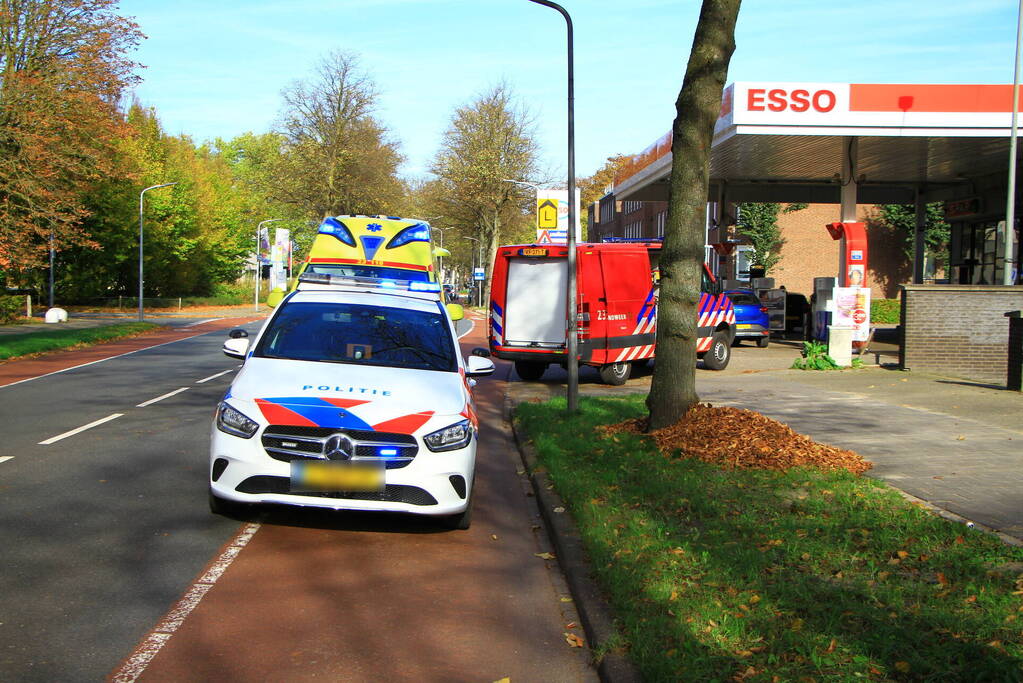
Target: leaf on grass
x,y
573,640
754,599
959,540
883,576
942,580
902,667
902,554
796,625
544,556
831,646
971,599
805,556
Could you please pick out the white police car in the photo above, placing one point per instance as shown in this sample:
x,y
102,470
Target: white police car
x,y
353,396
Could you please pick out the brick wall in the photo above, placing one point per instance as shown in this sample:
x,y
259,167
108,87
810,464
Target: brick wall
x,y
958,330
810,252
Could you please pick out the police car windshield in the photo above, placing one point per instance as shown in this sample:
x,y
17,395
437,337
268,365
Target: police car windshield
x,y
360,334
355,270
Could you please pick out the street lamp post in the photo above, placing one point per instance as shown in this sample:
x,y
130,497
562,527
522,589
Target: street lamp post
x,y
479,295
573,321
259,230
142,196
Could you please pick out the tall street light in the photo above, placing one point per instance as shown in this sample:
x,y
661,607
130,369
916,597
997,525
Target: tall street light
x,y
573,321
142,196
259,231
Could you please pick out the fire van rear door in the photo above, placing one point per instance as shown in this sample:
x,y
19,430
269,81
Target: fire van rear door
x,y
629,301
536,300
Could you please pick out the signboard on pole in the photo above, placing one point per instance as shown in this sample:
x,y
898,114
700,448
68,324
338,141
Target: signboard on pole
x,y
552,216
478,274
278,259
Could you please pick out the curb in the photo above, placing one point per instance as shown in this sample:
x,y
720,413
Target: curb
x,y
594,613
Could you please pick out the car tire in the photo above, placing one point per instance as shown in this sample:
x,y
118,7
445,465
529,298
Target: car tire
x,y
219,506
615,374
461,521
530,370
763,342
719,353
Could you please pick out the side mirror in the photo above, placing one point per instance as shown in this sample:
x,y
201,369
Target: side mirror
x,y
481,352
475,366
455,311
237,333
236,347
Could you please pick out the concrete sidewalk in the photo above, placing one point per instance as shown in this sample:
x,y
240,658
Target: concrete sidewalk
x,y
954,443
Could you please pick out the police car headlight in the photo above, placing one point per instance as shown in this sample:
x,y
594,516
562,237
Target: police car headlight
x,y
235,422
450,438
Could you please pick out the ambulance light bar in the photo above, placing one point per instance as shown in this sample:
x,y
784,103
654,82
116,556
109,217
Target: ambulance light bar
x,y
367,282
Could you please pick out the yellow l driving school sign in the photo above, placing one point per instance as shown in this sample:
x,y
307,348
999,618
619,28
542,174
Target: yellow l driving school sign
x,y
547,214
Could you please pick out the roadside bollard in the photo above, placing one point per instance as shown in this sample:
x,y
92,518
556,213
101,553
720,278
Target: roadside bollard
x,y
1014,373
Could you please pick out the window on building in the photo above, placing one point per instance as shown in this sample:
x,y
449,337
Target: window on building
x,y
660,220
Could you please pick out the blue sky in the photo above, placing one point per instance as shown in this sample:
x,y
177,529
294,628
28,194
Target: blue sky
x,y
216,69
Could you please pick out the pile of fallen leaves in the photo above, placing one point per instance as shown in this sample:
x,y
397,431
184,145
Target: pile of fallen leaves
x,y
738,438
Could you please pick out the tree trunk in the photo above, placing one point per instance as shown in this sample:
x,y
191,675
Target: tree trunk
x,y
673,389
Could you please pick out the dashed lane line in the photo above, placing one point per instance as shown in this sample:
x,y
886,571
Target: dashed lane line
x,y
160,398
219,374
151,645
55,439
5,458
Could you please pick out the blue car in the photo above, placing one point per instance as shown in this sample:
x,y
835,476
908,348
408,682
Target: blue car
x,y
751,321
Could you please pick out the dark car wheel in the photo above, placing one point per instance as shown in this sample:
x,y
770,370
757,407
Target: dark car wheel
x,y
615,374
529,370
763,342
719,353
461,521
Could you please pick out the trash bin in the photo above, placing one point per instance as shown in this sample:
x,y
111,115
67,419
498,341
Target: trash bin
x,y
840,344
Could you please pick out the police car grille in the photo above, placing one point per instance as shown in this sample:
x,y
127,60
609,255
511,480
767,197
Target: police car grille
x,y
392,493
287,443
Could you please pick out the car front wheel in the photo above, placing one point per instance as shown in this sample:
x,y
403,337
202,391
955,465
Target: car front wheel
x,y
719,353
615,374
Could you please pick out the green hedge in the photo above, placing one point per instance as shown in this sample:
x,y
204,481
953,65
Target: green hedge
x,y
885,311
11,308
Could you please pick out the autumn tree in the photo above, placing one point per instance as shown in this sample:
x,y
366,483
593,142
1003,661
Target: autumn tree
x,y
488,141
673,388
594,187
63,67
336,157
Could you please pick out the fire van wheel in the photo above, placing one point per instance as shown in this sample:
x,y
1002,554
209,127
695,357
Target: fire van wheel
x,y
763,342
530,370
615,374
719,353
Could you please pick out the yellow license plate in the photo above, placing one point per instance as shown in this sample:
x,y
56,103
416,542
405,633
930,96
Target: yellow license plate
x,y
336,476
743,327
534,252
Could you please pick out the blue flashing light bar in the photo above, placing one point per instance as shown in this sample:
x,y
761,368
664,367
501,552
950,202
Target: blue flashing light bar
x,y
387,451
368,282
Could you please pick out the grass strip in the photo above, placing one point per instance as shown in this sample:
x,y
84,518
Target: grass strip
x,y
30,343
803,575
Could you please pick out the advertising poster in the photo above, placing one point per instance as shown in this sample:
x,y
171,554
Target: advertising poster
x,y
852,309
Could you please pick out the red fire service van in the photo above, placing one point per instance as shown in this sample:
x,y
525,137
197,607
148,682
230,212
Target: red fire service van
x,y
617,307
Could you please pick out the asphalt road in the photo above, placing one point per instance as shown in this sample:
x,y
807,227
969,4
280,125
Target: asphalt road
x,y
108,546
104,528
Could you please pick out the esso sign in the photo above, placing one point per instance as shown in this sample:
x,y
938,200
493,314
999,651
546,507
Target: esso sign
x,y
796,100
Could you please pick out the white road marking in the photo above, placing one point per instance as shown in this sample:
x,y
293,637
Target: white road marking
x,y
5,458
144,653
472,326
201,322
55,439
160,398
219,374
101,360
